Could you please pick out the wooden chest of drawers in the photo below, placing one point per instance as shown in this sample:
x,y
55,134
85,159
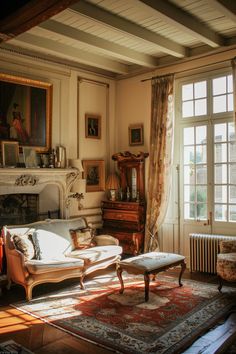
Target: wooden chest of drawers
x,y
125,221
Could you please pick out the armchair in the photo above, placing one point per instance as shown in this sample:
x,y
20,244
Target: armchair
x,y
226,262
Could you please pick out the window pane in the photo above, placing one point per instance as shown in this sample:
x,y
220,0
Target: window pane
x,y
219,85
230,83
232,173
189,175
232,213
231,131
220,194
220,132
232,194
189,193
189,136
201,154
232,152
189,155
201,107
201,194
201,174
219,104
187,92
187,109
189,211
200,89
201,135
220,152
221,174
221,212
230,102
202,211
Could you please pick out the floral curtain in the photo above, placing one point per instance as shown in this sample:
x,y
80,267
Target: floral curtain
x,y
160,158
233,63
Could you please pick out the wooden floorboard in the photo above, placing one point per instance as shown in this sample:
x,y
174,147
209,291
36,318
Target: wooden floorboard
x,y
42,338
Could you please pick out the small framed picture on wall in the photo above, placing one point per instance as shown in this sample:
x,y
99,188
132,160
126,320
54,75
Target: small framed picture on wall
x,y
92,126
94,173
136,134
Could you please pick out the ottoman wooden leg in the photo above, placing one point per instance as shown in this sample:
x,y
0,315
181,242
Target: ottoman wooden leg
x,y
146,281
183,267
119,271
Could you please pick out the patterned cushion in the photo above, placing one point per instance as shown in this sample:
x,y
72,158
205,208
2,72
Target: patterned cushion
x,y
82,238
226,266
23,243
228,246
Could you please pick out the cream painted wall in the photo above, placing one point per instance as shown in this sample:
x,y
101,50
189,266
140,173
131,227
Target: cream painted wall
x,y
133,106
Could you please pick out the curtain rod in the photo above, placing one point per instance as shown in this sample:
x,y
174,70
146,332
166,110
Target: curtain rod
x,y
165,75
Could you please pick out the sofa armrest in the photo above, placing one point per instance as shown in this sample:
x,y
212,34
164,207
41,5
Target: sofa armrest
x,y
16,268
228,246
105,240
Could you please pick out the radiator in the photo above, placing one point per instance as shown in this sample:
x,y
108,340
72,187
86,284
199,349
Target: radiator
x,y
203,251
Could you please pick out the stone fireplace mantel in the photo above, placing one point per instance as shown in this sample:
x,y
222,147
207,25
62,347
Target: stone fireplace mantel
x,y
34,180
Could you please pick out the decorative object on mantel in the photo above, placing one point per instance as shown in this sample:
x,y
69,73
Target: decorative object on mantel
x,y
79,189
112,184
30,157
10,153
60,158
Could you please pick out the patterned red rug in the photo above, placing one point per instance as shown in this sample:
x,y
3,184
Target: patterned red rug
x,y
169,322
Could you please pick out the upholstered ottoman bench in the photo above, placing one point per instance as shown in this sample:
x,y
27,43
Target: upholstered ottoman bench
x,y
150,264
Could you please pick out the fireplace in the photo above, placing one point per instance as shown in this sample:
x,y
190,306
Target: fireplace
x,y
28,195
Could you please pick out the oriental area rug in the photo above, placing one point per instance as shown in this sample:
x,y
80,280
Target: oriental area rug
x,y
169,322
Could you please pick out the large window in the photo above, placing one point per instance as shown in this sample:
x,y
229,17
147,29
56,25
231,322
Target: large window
x,y
208,149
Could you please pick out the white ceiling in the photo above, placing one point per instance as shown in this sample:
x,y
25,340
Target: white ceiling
x,y
121,37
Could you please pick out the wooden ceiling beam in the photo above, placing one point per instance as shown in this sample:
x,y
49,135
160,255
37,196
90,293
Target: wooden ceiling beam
x,y
116,50
30,15
30,41
185,22
162,44
226,8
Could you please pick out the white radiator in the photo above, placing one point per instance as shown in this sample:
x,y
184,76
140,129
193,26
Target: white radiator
x,y
203,251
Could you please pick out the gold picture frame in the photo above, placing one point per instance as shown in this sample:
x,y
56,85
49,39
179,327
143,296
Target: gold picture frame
x,y
30,157
136,134
26,111
92,126
94,173
10,153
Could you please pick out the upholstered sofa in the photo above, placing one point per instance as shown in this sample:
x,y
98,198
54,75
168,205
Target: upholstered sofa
x,y
226,262
46,251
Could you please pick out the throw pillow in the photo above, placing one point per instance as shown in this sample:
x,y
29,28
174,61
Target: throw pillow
x,y
82,238
24,245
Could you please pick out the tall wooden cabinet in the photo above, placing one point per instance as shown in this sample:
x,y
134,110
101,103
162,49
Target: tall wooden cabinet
x,y
125,218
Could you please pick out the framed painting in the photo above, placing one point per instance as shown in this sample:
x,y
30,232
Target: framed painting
x,y
30,157
10,153
136,134
92,126
25,111
94,173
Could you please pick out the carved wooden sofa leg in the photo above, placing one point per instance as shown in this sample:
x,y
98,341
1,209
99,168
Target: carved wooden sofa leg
x,y
81,281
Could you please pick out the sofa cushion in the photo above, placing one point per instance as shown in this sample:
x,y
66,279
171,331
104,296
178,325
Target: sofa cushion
x,y
96,254
54,264
82,238
50,244
23,243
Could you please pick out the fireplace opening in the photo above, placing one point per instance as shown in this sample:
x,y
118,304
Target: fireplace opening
x,y
16,209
